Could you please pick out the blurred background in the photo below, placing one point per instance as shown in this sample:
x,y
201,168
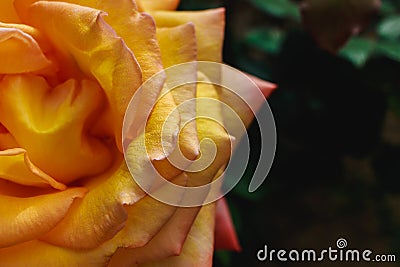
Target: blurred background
x,y
336,172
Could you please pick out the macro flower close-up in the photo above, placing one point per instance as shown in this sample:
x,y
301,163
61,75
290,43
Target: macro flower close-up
x,y
68,72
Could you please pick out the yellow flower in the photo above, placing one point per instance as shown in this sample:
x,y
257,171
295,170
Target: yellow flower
x,y
69,69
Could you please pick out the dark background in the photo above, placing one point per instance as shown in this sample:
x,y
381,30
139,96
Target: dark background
x,y
336,172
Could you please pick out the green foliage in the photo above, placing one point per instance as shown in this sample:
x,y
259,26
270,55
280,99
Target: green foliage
x,y
389,27
267,40
389,48
382,40
358,50
278,8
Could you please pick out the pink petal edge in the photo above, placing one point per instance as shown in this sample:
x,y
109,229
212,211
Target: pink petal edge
x,y
225,234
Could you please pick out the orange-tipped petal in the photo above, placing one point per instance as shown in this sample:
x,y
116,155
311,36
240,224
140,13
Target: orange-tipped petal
x,y
137,29
147,5
266,87
162,128
196,251
138,32
168,242
209,25
19,52
7,12
215,149
198,248
24,219
146,219
54,124
101,214
245,96
225,234
210,125
38,254
15,166
178,45
95,47
39,37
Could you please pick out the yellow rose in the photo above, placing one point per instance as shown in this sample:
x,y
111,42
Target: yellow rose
x,y
68,71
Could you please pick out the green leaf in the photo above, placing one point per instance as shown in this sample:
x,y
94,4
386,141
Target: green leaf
x,y
389,48
333,22
267,40
278,8
358,50
390,27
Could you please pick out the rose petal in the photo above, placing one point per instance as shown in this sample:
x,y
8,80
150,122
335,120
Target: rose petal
x,y
40,38
7,141
23,219
19,52
101,214
171,238
147,5
168,249
266,87
54,124
162,128
82,33
207,166
8,188
139,33
245,96
7,12
182,40
145,219
177,44
225,235
15,166
137,29
210,125
209,26
198,248
52,69
37,254
168,242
